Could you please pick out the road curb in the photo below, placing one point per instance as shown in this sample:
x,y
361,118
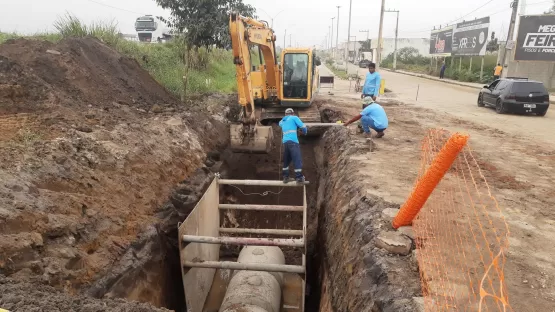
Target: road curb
x,y
551,101
453,82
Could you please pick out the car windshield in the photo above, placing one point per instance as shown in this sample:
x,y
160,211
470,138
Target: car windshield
x,y
532,87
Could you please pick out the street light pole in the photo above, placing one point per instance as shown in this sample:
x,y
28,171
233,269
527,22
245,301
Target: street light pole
x,y
285,38
348,39
380,35
337,40
396,34
331,41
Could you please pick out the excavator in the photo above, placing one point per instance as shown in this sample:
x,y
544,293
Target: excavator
x,y
264,92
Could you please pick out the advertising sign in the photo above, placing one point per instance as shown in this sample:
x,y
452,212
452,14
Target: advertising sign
x,y
441,41
536,38
470,38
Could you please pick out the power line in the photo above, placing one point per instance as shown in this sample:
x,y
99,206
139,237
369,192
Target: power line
x,y
498,12
113,7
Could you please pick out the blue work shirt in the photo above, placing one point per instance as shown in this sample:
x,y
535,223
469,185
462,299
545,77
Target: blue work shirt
x,y
289,126
377,113
372,84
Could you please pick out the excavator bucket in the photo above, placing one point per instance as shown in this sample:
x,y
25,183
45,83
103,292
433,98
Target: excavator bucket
x,y
258,141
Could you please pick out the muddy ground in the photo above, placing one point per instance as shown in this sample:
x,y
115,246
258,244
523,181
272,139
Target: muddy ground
x,y
91,148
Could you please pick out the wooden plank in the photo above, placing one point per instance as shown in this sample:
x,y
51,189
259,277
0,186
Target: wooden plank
x,y
261,231
203,220
284,268
262,207
243,241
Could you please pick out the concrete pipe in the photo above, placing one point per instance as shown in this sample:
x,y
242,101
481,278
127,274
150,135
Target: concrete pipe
x,y
255,291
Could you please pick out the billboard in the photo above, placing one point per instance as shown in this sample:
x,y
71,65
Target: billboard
x,y
441,41
470,38
536,38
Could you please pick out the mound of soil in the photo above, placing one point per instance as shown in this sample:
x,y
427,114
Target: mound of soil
x,y
90,148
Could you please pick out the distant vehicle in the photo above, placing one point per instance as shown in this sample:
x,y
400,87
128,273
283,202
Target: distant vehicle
x,y
363,63
517,95
145,26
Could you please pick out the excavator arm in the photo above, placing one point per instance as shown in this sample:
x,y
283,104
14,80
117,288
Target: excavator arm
x,y
246,32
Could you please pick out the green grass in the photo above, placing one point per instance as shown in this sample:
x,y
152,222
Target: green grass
x,y
454,70
210,71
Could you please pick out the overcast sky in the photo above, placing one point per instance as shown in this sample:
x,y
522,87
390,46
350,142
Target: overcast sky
x,y
307,20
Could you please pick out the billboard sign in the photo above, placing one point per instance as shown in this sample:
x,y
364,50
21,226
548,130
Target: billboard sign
x,y
536,38
441,41
470,38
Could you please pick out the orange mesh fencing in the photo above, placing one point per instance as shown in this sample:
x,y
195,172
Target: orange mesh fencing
x,y
461,236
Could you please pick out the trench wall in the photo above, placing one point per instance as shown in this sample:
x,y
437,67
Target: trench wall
x,y
354,274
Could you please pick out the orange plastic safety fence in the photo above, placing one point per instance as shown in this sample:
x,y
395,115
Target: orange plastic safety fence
x,y
433,175
461,236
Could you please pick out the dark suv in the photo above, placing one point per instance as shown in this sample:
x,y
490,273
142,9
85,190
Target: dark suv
x,y
518,95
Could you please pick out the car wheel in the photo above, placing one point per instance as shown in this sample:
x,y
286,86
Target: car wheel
x,y
481,100
499,107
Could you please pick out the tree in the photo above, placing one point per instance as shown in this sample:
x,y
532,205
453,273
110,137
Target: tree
x,y
492,45
202,23
552,9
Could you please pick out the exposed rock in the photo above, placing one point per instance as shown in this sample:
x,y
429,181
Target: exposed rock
x,y
394,242
407,231
389,213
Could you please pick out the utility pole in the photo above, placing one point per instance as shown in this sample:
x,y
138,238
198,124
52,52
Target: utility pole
x,y
290,39
396,35
337,40
331,41
380,35
285,38
514,6
348,39
331,36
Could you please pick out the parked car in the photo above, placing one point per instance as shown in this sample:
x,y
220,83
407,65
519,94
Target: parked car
x,y
516,95
363,63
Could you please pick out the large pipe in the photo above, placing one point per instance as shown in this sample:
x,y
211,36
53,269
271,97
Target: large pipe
x,y
255,291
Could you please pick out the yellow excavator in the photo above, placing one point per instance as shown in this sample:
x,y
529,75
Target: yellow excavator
x,y
267,90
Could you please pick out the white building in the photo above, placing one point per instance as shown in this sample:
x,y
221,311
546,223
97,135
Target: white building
x,y
421,44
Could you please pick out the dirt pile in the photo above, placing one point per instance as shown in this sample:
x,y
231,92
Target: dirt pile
x,y
90,148
18,296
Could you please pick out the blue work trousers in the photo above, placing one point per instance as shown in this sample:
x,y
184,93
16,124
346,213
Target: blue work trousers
x,y
368,123
292,153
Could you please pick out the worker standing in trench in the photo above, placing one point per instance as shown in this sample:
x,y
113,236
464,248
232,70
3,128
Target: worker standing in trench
x,y
291,148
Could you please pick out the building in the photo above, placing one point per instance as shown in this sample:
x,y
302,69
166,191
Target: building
x,y
420,44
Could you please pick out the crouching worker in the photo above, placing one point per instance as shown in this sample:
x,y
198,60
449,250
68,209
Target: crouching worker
x,y
291,148
373,116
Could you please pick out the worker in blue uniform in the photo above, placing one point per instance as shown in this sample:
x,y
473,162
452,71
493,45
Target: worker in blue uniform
x,y
291,148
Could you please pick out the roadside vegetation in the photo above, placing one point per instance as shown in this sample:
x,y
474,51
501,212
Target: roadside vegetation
x,y
209,70
408,59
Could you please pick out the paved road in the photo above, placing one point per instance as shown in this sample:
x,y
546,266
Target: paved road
x,y
461,102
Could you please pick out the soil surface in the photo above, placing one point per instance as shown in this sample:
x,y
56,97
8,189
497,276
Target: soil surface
x,y
91,147
515,153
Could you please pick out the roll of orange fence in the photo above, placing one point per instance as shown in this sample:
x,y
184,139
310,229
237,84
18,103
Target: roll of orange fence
x,y
431,178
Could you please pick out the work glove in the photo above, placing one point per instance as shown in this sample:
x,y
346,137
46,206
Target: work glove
x,y
304,130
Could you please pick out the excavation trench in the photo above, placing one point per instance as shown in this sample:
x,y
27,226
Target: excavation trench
x,y
345,272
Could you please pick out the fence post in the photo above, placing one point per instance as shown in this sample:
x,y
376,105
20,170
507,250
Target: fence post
x,y
470,68
482,69
431,178
460,64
